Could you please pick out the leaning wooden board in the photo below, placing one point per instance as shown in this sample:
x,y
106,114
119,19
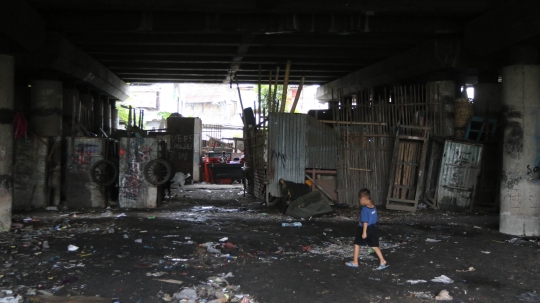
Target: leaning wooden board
x,y
407,171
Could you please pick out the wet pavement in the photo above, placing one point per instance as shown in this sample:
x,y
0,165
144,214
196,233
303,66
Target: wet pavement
x,y
216,244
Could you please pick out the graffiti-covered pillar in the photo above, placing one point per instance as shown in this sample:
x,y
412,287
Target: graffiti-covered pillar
x,y
7,97
520,186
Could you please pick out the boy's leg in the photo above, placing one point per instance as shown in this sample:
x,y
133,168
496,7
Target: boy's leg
x,y
356,254
377,250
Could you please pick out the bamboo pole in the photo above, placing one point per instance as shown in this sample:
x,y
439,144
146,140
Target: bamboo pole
x,y
298,92
285,86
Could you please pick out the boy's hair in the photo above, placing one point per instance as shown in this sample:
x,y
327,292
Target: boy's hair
x,y
364,193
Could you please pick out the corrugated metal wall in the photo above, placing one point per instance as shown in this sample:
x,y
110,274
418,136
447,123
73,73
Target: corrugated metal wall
x,y
287,149
321,145
459,175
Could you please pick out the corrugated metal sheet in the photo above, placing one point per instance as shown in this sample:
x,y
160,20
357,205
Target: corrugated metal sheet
x,y
321,145
287,149
459,175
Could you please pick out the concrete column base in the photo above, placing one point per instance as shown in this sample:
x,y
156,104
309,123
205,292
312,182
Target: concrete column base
x,y
7,97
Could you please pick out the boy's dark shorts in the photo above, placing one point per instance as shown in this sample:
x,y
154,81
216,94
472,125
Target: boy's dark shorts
x,y
372,239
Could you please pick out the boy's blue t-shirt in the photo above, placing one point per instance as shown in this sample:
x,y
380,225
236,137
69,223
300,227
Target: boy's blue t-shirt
x,y
368,215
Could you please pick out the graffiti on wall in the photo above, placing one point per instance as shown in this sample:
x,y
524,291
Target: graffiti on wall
x,y
84,156
135,153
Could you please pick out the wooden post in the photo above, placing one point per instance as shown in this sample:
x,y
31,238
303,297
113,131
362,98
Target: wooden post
x,y
298,92
275,90
285,85
242,107
259,108
269,102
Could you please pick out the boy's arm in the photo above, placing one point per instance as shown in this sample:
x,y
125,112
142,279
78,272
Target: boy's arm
x,y
364,232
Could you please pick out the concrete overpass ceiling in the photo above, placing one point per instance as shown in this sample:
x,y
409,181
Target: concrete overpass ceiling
x,y
210,41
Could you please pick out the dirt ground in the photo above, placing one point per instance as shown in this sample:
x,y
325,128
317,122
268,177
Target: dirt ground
x,y
140,256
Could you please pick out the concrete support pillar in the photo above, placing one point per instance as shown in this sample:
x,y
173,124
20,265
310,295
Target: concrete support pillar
x,y
69,105
46,107
98,115
443,92
87,111
7,97
107,116
46,121
487,100
115,121
520,186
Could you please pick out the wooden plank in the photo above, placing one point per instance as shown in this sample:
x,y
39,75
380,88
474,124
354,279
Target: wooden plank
x,y
359,169
393,168
402,200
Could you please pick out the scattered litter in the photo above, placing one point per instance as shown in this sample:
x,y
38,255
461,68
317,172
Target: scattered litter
x,y
295,224
155,274
486,252
72,248
172,281
51,208
306,248
121,215
229,245
45,244
443,296
223,239
466,270
442,279
513,240
478,227
213,250
107,213
186,294
421,294
328,229
11,299
151,217
432,240
416,281
529,297
138,241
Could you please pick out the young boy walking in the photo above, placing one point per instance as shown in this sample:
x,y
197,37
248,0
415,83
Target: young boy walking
x,y
367,233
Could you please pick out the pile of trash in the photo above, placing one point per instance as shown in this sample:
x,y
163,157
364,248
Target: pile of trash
x,y
215,290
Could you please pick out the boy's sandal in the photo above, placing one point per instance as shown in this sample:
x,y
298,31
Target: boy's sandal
x,y
351,264
381,267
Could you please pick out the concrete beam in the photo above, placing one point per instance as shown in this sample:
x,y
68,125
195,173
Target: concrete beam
x,y
420,7
507,25
429,57
22,24
59,54
266,23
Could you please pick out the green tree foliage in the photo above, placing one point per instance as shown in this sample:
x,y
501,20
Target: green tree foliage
x,y
265,95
